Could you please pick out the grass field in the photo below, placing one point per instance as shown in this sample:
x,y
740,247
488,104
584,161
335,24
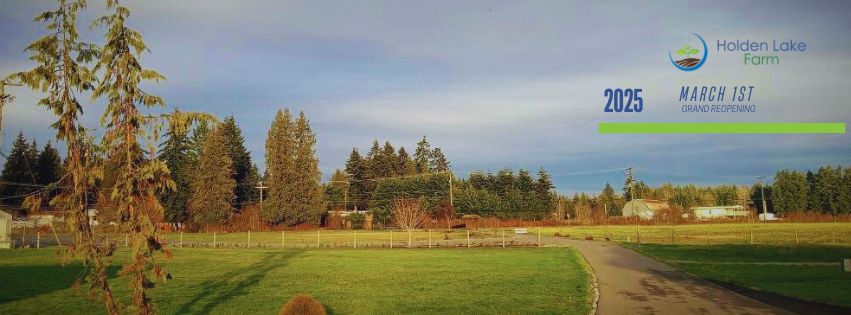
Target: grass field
x,y
773,269
363,281
775,233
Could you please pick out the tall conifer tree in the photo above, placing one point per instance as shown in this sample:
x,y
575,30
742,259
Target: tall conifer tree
x,y
213,184
280,162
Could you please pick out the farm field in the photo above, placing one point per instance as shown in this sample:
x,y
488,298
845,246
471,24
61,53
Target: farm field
x,y
809,272
346,281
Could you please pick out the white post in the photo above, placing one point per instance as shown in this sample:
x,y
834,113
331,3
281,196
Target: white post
x,y
468,238
539,237
37,240
410,245
356,238
214,239
391,238
429,238
796,235
282,238
248,244
181,239
751,235
317,239
503,238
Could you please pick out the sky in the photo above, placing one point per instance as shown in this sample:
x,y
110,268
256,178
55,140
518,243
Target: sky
x,y
494,84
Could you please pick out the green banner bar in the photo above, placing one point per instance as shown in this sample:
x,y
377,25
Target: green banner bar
x,y
722,128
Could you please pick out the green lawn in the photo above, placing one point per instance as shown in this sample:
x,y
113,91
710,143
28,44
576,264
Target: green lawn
x,y
827,284
775,233
369,281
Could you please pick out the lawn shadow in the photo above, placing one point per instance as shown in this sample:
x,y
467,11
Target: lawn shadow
x,y
216,292
21,282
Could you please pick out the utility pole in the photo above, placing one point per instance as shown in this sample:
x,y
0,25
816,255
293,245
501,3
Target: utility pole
x,y
261,187
630,178
3,99
762,193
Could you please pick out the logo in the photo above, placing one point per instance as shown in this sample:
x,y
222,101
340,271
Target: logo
x,y
690,58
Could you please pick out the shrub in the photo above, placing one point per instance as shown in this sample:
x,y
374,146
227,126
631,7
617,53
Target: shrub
x,y
302,304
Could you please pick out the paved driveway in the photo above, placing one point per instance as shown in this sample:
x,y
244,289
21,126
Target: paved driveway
x,y
631,283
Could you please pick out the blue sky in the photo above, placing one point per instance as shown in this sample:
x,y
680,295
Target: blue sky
x,y
493,83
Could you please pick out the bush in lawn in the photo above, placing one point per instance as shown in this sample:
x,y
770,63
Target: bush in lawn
x,y
302,304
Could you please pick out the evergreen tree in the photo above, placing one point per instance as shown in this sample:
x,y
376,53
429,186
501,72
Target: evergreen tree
x,y
308,201
812,200
61,73
49,165
438,162
422,156
827,185
213,184
389,160
241,161
404,164
280,166
175,152
789,192
525,182
357,170
543,188
32,159
844,202
19,171
138,179
609,199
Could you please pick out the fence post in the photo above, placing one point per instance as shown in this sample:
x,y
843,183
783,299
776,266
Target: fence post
x,y
708,236
214,239
181,239
672,236
429,238
248,244
468,238
391,238
503,238
317,239
282,238
796,235
539,237
832,238
37,240
751,235
356,238
410,245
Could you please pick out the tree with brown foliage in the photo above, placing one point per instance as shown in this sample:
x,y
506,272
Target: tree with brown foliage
x,y
61,73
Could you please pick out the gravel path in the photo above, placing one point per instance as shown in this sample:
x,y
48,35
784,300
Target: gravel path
x,y
631,283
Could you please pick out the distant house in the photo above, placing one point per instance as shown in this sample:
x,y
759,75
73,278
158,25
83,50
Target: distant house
x,y
719,212
645,209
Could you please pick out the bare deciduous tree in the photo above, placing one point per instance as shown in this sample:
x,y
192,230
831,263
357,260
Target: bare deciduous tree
x,y
408,214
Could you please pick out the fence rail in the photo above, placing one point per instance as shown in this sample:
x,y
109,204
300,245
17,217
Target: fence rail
x,y
741,234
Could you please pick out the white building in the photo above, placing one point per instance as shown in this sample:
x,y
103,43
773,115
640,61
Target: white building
x,y
645,208
719,212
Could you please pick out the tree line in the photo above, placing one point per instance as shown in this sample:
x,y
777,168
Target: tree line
x,y
27,169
